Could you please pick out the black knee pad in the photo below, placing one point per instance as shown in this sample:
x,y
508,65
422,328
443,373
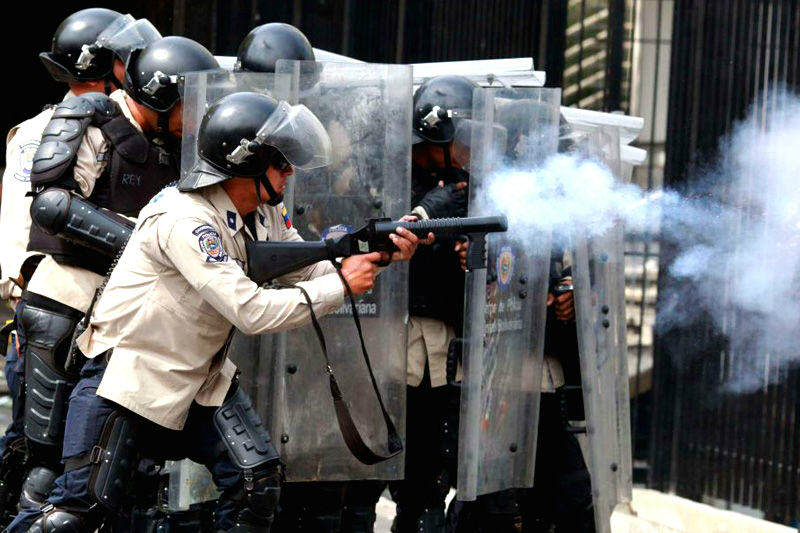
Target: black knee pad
x,y
48,328
36,487
240,428
113,461
56,521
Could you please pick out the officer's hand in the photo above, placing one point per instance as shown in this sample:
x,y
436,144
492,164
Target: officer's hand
x,y
407,243
461,249
564,304
360,271
446,201
413,218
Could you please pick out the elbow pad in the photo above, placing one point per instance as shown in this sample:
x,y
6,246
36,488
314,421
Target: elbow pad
x,y
74,219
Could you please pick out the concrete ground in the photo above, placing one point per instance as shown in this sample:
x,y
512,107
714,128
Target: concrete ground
x,y
653,512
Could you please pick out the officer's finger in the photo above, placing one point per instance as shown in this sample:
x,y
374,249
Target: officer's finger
x,y
550,299
406,248
566,297
441,184
461,185
409,218
407,234
429,239
564,317
372,257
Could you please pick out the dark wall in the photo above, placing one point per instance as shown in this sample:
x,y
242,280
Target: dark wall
x,y
28,86
741,449
378,31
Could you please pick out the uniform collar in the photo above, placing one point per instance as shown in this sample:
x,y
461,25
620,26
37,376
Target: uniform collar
x,y
224,206
119,97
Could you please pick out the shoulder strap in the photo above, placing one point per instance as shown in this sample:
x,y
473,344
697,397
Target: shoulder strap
x,y
126,139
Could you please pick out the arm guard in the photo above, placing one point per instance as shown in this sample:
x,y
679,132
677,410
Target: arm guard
x,y
62,137
72,218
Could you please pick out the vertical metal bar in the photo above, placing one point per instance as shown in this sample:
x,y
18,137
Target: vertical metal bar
x,y
581,37
615,47
179,17
401,31
346,15
297,13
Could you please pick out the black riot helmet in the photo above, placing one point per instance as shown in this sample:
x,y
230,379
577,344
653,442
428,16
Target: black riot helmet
x,y
76,31
439,104
268,43
243,133
153,74
121,38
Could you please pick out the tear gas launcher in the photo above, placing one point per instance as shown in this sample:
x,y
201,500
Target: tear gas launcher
x,y
267,260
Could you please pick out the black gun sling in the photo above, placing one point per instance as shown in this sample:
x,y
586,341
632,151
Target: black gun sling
x,y
352,437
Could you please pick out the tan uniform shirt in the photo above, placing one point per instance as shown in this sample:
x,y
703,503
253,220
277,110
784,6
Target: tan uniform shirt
x,y
66,284
178,289
428,341
15,217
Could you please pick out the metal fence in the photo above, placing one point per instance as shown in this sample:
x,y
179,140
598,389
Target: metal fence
x,y
736,451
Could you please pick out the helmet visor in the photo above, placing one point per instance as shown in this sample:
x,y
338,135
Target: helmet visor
x,y
133,36
298,134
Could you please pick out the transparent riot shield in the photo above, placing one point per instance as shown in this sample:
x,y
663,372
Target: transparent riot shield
x,y
609,137
366,111
598,277
200,90
511,131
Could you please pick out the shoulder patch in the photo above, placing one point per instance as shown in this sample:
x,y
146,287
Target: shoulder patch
x,y
25,160
210,243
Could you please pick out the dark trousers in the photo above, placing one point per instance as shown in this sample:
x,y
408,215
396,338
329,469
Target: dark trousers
x,y
562,493
87,415
313,507
431,452
15,378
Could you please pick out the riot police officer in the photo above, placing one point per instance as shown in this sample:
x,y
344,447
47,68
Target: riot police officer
x,y
314,505
116,151
67,62
436,295
158,381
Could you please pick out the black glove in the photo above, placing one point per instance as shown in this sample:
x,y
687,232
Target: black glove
x,y
445,202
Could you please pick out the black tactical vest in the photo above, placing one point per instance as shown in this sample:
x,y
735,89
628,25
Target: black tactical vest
x,y
435,280
136,169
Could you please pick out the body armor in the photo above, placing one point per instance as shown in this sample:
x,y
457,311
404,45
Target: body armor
x,y
436,281
136,169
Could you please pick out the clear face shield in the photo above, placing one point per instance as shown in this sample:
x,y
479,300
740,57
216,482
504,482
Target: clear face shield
x,y
122,37
295,132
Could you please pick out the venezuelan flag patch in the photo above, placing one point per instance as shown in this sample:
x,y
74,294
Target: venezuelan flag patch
x,y
286,219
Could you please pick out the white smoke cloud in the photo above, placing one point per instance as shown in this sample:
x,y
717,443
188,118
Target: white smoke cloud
x,y
734,242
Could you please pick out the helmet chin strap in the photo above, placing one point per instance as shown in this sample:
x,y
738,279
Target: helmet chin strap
x,y
162,127
274,197
448,162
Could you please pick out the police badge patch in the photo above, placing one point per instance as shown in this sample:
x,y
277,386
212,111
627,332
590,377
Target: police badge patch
x,y
25,161
505,267
210,244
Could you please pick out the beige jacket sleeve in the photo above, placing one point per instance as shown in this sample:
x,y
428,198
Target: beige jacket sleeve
x,y
90,160
224,285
